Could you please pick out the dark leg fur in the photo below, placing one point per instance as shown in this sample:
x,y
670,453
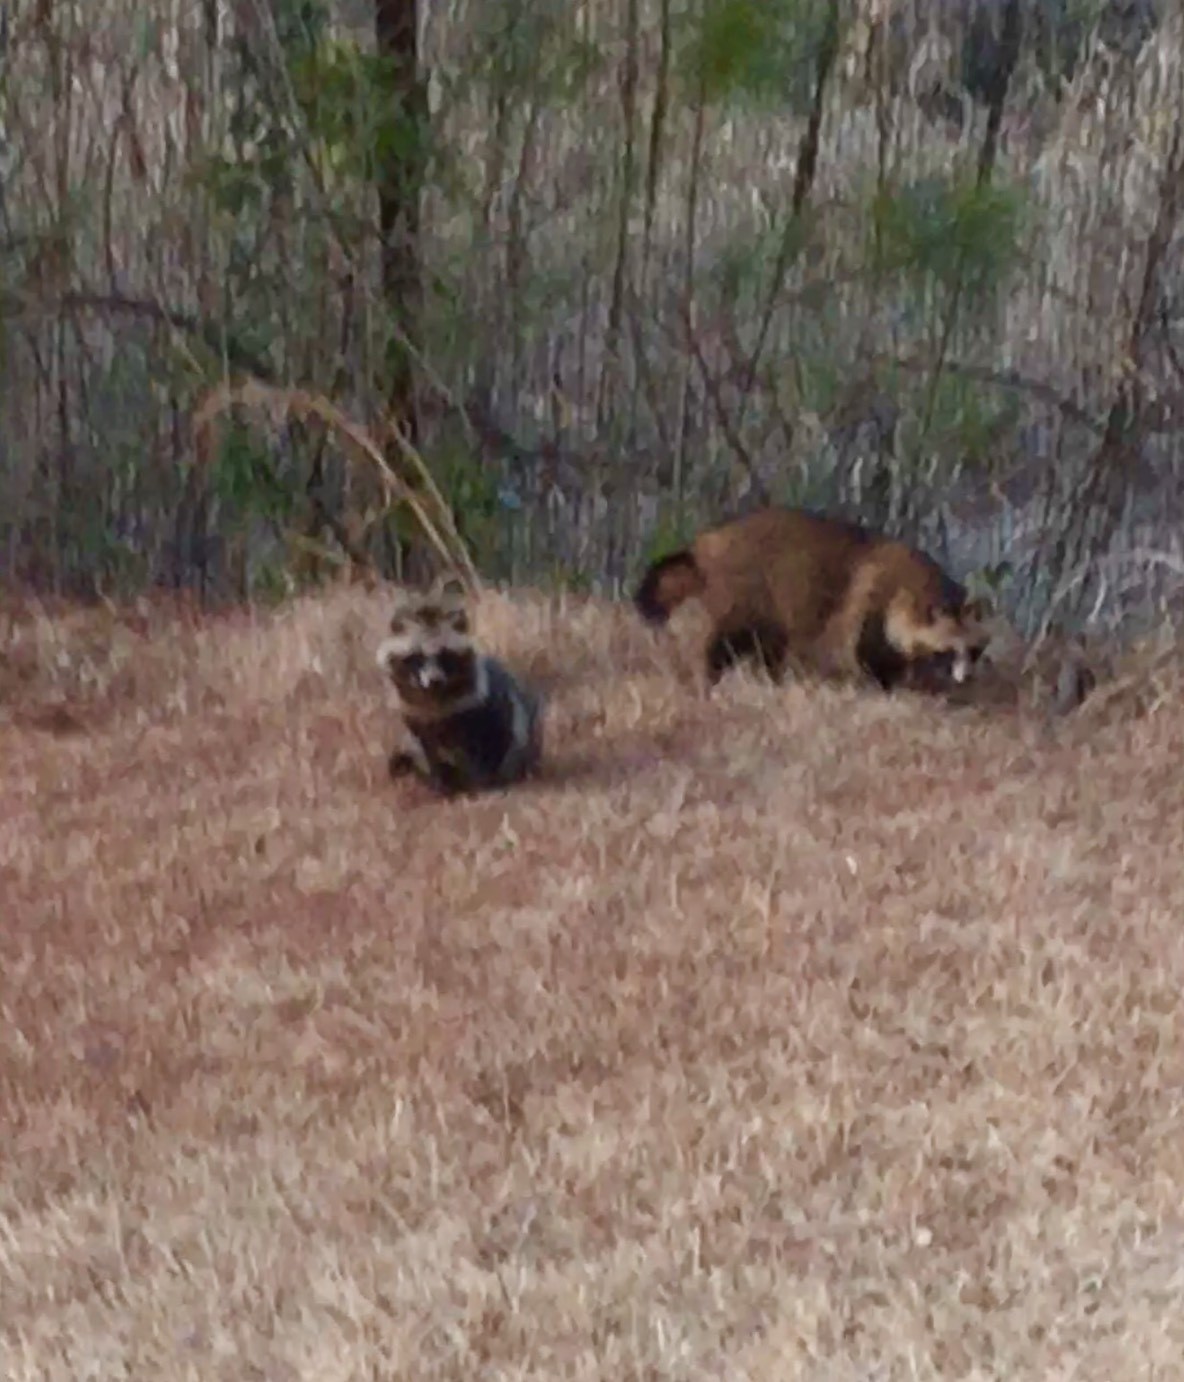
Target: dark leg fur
x,y
878,658
721,655
449,781
441,776
401,764
764,645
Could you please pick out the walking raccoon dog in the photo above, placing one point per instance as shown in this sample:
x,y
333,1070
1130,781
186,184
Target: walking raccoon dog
x,y
782,584
470,725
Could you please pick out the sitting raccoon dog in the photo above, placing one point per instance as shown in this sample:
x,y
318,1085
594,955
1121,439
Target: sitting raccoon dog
x,y
782,584
470,725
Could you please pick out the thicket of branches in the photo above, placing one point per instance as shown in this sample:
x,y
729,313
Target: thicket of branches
x,y
595,273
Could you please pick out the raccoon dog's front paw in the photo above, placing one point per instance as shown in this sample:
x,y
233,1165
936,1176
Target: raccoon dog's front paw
x,y
401,764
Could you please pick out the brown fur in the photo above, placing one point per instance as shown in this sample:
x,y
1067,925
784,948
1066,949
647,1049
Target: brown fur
x,y
787,585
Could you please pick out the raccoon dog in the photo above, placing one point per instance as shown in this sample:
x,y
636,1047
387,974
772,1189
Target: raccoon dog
x,y
782,584
470,726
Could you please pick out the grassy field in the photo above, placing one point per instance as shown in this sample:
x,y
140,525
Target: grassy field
x,y
782,1034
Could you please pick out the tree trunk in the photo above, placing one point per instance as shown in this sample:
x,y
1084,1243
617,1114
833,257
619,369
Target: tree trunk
x,y
399,173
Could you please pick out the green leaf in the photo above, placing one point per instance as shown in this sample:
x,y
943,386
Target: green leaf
x,y
244,479
948,230
533,48
764,51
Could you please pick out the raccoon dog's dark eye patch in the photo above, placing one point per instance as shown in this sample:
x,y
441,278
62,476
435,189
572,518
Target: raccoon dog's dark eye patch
x,y
452,663
944,662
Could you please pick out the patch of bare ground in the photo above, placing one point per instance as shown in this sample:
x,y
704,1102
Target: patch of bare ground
x,y
796,1033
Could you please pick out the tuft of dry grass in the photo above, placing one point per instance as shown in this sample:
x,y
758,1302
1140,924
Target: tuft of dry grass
x,y
771,1034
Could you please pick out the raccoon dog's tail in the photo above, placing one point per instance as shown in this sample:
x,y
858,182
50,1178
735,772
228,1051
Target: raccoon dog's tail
x,y
666,585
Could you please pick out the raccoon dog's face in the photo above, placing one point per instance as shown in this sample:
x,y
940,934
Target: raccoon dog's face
x,y
950,636
430,656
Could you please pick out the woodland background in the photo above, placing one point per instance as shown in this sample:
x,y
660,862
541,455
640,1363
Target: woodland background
x,y
587,275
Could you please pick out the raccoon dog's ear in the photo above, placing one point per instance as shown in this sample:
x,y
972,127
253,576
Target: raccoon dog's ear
x,y
403,603
450,594
450,588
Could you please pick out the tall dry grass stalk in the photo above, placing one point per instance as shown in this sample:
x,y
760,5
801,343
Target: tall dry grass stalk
x,y
279,403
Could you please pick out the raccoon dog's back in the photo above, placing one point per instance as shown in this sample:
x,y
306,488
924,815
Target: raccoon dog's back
x,y
774,564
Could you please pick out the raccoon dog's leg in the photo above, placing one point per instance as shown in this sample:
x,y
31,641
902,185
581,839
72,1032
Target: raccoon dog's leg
x,y
876,655
726,650
435,769
765,644
449,779
401,763
408,758
772,650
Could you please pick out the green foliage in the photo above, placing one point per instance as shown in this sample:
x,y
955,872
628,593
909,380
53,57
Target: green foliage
x,y
239,187
244,478
1057,33
271,582
673,531
350,109
532,48
101,557
993,580
820,380
299,24
260,121
759,51
951,231
470,489
969,418
746,262
563,576
354,109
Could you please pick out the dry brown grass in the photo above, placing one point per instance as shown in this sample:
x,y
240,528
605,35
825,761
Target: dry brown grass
x,y
797,1034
